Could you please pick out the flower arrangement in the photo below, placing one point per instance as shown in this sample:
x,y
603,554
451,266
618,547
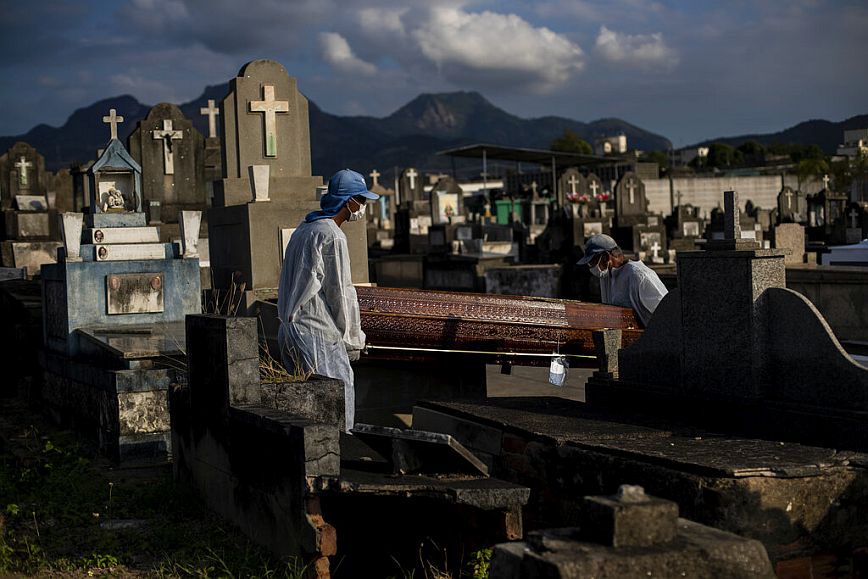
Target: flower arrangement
x,y
601,197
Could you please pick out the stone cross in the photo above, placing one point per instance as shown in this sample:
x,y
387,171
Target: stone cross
x,y
212,112
573,182
412,174
113,119
655,249
22,165
826,181
594,186
853,215
375,175
678,197
630,188
731,223
533,187
789,195
269,107
167,135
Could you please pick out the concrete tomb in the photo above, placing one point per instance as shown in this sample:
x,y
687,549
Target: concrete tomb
x,y
631,535
113,306
309,492
737,402
29,224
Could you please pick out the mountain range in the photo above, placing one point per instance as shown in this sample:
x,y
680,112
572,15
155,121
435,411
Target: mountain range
x,y
410,136
826,134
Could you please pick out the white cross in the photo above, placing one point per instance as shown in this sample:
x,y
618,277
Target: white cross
x,y
412,174
593,187
212,113
113,119
853,215
533,187
23,164
631,187
167,135
573,182
655,248
269,107
375,175
826,181
789,195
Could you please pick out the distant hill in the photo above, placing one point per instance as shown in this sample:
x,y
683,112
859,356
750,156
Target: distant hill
x,y
408,137
828,135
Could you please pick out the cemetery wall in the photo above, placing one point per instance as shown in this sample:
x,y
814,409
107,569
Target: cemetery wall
x,y
706,192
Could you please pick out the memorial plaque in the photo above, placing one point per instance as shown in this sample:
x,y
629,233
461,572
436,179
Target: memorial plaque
x,y
134,293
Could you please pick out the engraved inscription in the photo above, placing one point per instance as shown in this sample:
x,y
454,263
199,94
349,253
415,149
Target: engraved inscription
x,y
134,293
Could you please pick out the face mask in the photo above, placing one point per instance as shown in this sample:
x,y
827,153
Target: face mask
x,y
357,214
596,271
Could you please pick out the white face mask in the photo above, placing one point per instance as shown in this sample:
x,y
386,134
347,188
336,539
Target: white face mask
x,y
596,271
358,214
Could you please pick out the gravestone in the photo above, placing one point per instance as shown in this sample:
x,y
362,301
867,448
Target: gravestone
x,y
213,156
29,222
791,237
447,201
170,152
266,132
22,172
573,184
854,232
632,205
790,206
411,187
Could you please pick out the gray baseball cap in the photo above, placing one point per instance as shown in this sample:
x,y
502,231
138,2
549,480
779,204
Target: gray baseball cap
x,y
597,244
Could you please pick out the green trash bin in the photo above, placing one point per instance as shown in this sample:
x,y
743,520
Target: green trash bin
x,y
504,208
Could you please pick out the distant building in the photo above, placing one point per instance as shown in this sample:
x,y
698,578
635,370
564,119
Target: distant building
x,y
686,156
608,145
855,143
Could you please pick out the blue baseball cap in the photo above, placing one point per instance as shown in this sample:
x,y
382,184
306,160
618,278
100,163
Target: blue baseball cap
x,y
343,185
597,244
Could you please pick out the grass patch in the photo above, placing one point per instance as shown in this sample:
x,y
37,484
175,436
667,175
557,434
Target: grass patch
x,y
65,511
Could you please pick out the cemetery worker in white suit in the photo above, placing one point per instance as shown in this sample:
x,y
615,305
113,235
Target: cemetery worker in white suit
x,y
630,284
320,328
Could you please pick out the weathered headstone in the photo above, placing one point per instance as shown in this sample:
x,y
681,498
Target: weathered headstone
x,y
264,121
447,201
791,237
790,206
573,185
170,152
630,199
22,172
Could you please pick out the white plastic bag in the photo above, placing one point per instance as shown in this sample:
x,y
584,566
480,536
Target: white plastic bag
x,y
558,370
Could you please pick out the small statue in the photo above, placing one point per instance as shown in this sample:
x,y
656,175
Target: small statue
x,y
114,201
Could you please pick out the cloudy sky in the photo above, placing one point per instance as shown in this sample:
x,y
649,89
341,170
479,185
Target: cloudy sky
x,y
688,70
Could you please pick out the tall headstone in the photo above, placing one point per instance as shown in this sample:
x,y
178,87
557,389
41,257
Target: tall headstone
x,y
412,188
630,199
264,122
213,155
791,206
171,154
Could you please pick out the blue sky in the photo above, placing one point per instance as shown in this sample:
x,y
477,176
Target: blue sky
x,y
688,70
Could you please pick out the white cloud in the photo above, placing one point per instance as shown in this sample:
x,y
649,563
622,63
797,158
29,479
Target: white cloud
x,y
496,49
385,21
635,50
338,53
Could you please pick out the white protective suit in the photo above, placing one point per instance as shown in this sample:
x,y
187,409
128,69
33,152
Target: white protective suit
x,y
633,285
318,307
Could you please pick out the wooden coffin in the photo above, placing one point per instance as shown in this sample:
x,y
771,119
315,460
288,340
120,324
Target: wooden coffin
x,y
408,323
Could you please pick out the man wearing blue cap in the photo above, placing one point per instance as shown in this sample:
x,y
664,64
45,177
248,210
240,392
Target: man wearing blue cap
x,y
320,329
630,284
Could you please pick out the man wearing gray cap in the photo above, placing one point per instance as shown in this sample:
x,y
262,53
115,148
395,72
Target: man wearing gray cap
x,y
630,284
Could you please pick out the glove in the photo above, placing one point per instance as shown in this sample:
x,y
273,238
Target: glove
x,y
354,355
